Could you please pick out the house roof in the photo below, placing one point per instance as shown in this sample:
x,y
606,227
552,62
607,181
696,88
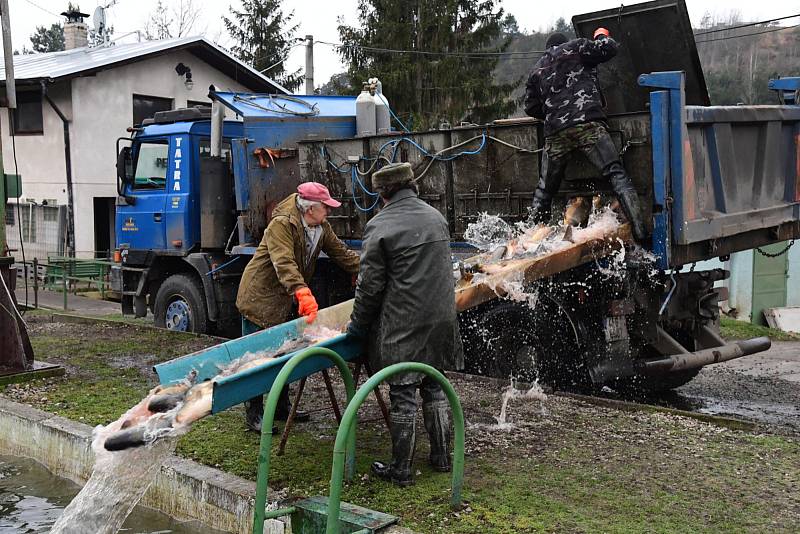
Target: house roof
x,y
53,66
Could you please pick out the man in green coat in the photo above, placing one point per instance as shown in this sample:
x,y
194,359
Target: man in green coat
x,y
405,311
278,275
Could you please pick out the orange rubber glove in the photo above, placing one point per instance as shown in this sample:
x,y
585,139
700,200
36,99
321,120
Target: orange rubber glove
x,y
306,304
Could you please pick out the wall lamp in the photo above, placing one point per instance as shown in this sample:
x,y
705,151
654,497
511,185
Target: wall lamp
x,y
183,70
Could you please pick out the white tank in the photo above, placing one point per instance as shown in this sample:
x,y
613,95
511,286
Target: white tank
x,y
383,122
365,113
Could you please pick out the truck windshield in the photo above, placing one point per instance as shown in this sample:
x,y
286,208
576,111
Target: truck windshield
x,y
151,165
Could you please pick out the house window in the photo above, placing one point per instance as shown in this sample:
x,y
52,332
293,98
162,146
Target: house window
x,y
50,213
152,160
9,215
144,107
28,115
28,224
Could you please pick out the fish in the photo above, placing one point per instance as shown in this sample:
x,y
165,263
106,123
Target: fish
x,y
134,437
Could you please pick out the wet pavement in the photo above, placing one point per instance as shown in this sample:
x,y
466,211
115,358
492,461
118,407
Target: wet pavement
x,y
54,300
762,387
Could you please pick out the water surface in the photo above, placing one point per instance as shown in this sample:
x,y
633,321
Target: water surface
x,y
32,498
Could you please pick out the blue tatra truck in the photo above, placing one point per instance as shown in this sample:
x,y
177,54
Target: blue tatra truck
x,y
196,192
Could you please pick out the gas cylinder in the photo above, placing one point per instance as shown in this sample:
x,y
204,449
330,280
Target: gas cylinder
x,y
383,123
365,112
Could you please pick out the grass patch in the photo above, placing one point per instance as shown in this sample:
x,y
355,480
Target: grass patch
x,y
732,329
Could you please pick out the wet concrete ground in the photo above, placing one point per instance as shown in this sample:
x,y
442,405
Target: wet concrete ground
x,y
762,387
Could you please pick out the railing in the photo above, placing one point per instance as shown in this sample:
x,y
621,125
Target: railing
x,y
63,274
262,482
345,437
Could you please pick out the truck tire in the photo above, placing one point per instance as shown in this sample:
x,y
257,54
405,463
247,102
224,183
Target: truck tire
x,y
180,305
511,339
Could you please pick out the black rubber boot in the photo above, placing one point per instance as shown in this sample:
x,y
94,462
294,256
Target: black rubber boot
x,y
254,414
436,415
605,157
403,442
552,173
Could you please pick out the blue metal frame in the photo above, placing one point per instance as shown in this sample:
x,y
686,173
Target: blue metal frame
x,y
235,389
668,130
788,87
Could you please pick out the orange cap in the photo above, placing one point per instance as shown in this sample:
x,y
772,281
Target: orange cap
x,y
601,31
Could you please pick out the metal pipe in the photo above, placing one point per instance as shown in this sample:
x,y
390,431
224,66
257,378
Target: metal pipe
x,y
8,56
347,431
700,358
309,76
217,120
36,283
279,512
68,165
262,482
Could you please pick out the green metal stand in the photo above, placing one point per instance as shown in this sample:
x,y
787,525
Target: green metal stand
x,y
345,437
348,445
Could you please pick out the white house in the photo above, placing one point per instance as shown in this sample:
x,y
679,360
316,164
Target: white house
x,y
73,106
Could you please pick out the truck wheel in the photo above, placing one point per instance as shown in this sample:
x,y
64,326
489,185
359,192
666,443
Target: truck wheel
x,y
180,305
510,339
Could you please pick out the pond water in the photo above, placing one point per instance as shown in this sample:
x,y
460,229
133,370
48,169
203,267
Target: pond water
x,y
32,498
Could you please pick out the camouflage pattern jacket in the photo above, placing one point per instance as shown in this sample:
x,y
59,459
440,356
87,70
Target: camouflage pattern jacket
x,y
562,88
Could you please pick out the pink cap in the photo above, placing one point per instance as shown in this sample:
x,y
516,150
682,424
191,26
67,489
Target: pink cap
x,y
317,192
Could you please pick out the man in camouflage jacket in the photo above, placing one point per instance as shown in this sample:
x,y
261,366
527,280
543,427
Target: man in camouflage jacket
x,y
562,90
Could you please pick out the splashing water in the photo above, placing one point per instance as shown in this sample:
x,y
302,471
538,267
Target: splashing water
x,y
511,392
118,481
488,232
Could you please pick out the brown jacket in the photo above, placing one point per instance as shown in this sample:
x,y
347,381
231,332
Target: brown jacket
x,y
277,268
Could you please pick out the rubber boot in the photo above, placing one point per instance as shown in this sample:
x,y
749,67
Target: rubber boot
x,y
436,415
403,442
552,173
254,414
605,157
629,201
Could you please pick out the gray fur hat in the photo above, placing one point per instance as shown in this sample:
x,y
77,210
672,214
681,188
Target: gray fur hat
x,y
392,174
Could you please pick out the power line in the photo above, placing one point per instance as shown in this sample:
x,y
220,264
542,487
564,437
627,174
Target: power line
x,y
530,54
748,34
34,4
746,25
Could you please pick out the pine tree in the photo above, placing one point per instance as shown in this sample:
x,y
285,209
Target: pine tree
x,y
48,39
439,80
264,36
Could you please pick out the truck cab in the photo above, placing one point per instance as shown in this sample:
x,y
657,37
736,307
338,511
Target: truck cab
x,y
195,193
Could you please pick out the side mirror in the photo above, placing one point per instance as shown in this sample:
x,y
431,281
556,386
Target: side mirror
x,y
124,166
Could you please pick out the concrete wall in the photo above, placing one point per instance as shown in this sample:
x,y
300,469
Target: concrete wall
x,y
793,284
40,157
741,285
100,108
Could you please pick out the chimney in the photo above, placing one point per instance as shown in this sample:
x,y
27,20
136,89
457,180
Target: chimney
x,y
76,32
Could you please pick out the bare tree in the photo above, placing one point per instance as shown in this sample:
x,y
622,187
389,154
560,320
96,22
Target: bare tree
x,y
176,20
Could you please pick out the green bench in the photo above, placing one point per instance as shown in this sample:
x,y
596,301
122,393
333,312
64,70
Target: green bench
x,y
77,271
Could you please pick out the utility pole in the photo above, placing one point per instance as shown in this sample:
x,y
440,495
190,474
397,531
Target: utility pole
x,y
309,64
16,354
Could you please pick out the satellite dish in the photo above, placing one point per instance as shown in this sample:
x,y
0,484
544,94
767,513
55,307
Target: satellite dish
x,y
99,20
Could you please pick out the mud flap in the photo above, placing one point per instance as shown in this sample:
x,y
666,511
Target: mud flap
x,y
613,360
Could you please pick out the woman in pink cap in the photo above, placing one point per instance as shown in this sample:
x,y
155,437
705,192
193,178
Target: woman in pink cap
x,y
278,275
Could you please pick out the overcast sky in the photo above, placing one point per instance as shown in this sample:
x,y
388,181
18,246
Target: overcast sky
x,y
319,18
